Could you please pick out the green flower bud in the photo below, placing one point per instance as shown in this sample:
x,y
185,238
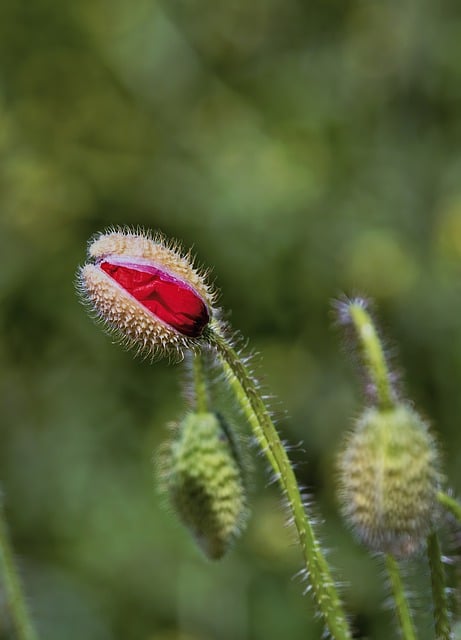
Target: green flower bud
x,y
389,478
201,472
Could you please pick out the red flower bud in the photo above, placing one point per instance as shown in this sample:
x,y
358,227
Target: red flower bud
x,y
170,299
146,292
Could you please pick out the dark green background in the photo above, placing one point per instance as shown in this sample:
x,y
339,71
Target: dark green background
x,y
304,149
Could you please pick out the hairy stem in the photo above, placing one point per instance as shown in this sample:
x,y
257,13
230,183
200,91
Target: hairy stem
x,y
450,504
439,594
372,354
12,585
200,386
318,571
401,603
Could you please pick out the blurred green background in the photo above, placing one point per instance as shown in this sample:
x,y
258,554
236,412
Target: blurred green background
x,y
304,149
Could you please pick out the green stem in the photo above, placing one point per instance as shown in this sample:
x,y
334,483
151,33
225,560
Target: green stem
x,y
439,594
318,572
373,355
200,386
401,603
450,504
12,586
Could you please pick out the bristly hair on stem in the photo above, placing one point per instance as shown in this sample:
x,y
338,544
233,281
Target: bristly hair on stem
x,y
365,346
439,590
323,587
401,601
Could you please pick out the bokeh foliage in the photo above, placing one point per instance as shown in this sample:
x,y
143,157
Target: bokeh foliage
x,y
305,149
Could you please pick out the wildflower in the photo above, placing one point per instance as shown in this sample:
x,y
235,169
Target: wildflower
x,y
146,292
389,468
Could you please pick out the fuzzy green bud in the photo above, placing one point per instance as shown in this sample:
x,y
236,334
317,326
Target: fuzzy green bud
x,y
389,478
201,471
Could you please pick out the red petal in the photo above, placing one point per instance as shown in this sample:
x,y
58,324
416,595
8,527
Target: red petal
x,y
172,301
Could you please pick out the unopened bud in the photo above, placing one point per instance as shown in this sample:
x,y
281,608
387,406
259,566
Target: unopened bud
x,y
389,478
201,471
146,292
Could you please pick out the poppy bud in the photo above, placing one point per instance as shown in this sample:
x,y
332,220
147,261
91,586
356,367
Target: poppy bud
x,y
389,478
146,292
200,470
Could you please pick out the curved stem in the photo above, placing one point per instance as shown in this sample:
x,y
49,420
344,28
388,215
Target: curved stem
x,y
401,603
318,572
373,354
439,594
12,585
450,504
